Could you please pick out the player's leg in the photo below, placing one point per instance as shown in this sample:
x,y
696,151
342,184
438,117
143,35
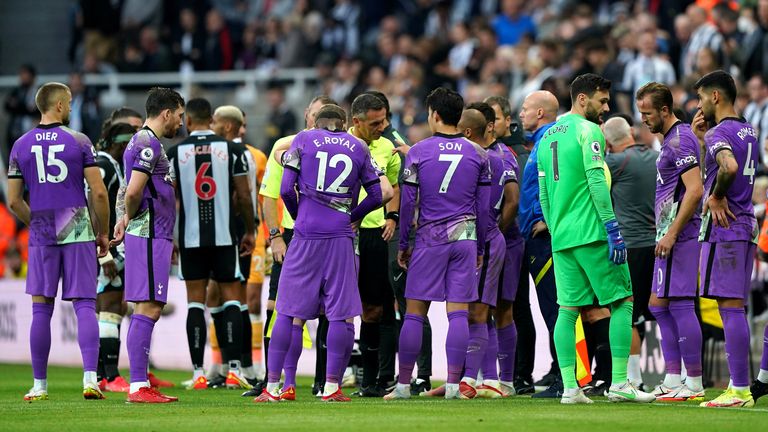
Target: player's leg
x,y
110,308
44,269
726,272
291,361
246,350
505,331
196,329
539,262
217,372
596,322
78,267
253,292
409,345
477,342
572,293
641,265
759,387
389,323
148,263
373,283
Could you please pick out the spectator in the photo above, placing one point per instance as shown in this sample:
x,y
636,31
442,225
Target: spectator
x,y
85,116
679,42
647,66
756,111
21,109
281,121
101,24
707,61
512,24
704,34
753,56
157,57
218,53
188,42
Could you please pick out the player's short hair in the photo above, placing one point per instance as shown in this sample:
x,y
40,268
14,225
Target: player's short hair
x,y
502,102
230,113
476,121
447,103
485,109
588,84
324,99
117,133
719,80
364,103
160,99
331,111
198,110
660,94
617,129
48,94
383,98
123,113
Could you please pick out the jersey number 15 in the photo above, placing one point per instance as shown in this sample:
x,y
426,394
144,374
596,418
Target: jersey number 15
x,y
42,175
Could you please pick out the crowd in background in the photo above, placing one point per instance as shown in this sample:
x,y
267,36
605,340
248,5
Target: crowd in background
x,y
405,48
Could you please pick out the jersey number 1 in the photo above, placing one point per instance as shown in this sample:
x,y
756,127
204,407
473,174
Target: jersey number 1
x,y
555,167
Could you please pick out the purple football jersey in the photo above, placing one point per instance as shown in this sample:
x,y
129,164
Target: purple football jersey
x,y
503,170
157,212
331,167
447,170
738,136
51,160
679,153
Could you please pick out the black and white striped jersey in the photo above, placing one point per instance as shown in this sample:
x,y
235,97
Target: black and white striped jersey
x,y
112,174
206,165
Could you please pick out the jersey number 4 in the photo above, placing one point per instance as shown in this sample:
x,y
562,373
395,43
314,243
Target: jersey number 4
x,y
42,175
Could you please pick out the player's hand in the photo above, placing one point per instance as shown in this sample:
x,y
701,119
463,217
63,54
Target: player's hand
x,y
175,254
404,258
538,228
699,125
617,249
102,241
247,244
401,148
479,262
664,246
110,269
119,232
278,249
389,230
356,225
718,209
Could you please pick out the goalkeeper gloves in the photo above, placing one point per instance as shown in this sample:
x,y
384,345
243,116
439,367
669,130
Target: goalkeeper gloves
x,y
617,250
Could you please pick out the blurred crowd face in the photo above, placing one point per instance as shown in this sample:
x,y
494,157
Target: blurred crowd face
x,y
596,106
188,20
371,127
647,44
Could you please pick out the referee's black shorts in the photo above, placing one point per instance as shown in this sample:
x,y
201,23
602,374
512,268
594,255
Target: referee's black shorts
x,y
373,278
274,277
220,263
641,261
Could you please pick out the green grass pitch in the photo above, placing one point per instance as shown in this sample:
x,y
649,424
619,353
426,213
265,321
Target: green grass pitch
x,y
213,410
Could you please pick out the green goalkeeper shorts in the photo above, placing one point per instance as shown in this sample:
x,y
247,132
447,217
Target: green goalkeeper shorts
x,y
584,272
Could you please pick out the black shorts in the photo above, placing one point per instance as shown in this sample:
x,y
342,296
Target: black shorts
x,y
641,262
220,263
274,277
373,277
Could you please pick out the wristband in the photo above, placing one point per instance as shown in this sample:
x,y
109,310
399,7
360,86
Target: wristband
x,y
395,216
106,258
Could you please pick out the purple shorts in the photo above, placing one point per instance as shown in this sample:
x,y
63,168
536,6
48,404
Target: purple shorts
x,y
446,272
677,275
726,269
147,266
319,274
74,263
510,275
490,275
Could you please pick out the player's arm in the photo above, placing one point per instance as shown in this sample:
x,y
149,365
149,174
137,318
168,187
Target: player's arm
x,y
371,202
693,193
482,207
509,205
288,192
16,202
134,191
717,203
279,150
100,205
543,195
408,193
243,196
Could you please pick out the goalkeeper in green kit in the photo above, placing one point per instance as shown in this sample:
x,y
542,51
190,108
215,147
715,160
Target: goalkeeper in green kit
x,y
588,250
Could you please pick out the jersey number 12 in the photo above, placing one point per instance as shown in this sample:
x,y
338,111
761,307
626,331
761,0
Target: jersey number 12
x,y
335,186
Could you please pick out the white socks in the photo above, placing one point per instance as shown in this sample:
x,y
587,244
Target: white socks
x,y
694,383
634,374
197,373
672,381
762,376
330,388
136,386
89,377
40,384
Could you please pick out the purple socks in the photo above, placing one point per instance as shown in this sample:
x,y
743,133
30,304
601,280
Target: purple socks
x,y
456,344
507,350
292,357
87,333
409,346
491,353
138,341
764,362
736,331
338,343
689,332
279,344
40,338
476,349
670,346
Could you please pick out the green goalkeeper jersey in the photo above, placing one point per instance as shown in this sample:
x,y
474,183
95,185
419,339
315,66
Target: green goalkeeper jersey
x,y
570,148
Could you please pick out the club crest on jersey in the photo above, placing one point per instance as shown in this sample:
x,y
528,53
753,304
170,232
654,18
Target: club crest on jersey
x,y
147,154
595,147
